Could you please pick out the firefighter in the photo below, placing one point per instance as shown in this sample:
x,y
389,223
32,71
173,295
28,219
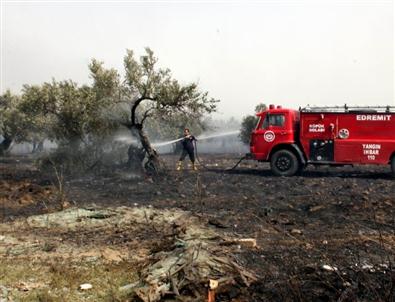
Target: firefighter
x,y
187,148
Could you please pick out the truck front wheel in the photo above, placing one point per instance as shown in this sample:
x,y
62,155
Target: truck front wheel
x,y
284,163
393,166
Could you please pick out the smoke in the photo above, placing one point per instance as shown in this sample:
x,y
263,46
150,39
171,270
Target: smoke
x,y
27,148
223,138
223,142
126,139
207,142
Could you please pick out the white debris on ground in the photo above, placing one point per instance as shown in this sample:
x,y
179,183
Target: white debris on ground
x,y
86,286
329,268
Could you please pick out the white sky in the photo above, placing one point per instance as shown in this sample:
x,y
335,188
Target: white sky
x,y
291,53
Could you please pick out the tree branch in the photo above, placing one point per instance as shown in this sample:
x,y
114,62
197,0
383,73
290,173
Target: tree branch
x,y
134,108
146,114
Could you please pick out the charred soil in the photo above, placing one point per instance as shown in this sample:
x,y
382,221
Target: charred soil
x,y
324,236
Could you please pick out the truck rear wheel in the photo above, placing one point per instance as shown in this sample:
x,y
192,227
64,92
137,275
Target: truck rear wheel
x,y
284,163
393,166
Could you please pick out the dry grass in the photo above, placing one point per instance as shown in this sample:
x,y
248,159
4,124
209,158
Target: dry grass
x,y
28,280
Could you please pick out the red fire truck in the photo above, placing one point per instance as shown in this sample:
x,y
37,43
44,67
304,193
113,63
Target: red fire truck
x,y
291,139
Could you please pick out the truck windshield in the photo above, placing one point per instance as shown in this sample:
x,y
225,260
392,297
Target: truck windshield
x,y
276,120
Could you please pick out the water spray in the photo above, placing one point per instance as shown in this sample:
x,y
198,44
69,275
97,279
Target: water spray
x,y
130,140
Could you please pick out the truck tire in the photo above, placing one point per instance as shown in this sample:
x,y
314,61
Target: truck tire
x,y
284,163
393,166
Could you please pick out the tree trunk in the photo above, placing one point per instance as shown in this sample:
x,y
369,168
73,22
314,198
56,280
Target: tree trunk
x,y
154,165
5,145
136,157
38,146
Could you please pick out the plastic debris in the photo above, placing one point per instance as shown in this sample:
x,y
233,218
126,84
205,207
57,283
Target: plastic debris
x,y
86,286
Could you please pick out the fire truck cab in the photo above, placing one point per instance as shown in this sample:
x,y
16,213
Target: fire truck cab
x,y
291,139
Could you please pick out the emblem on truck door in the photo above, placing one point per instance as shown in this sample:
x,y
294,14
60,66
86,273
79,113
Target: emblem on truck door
x,y
344,133
269,136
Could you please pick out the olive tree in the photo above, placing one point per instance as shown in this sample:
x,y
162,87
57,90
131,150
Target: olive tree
x,y
151,92
12,121
74,116
21,122
38,123
71,113
248,123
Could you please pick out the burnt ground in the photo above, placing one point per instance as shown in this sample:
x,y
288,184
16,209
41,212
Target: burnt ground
x,y
328,235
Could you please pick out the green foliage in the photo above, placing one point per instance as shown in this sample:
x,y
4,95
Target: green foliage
x,y
247,125
75,115
12,121
163,96
71,114
38,123
249,122
149,100
260,107
106,83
